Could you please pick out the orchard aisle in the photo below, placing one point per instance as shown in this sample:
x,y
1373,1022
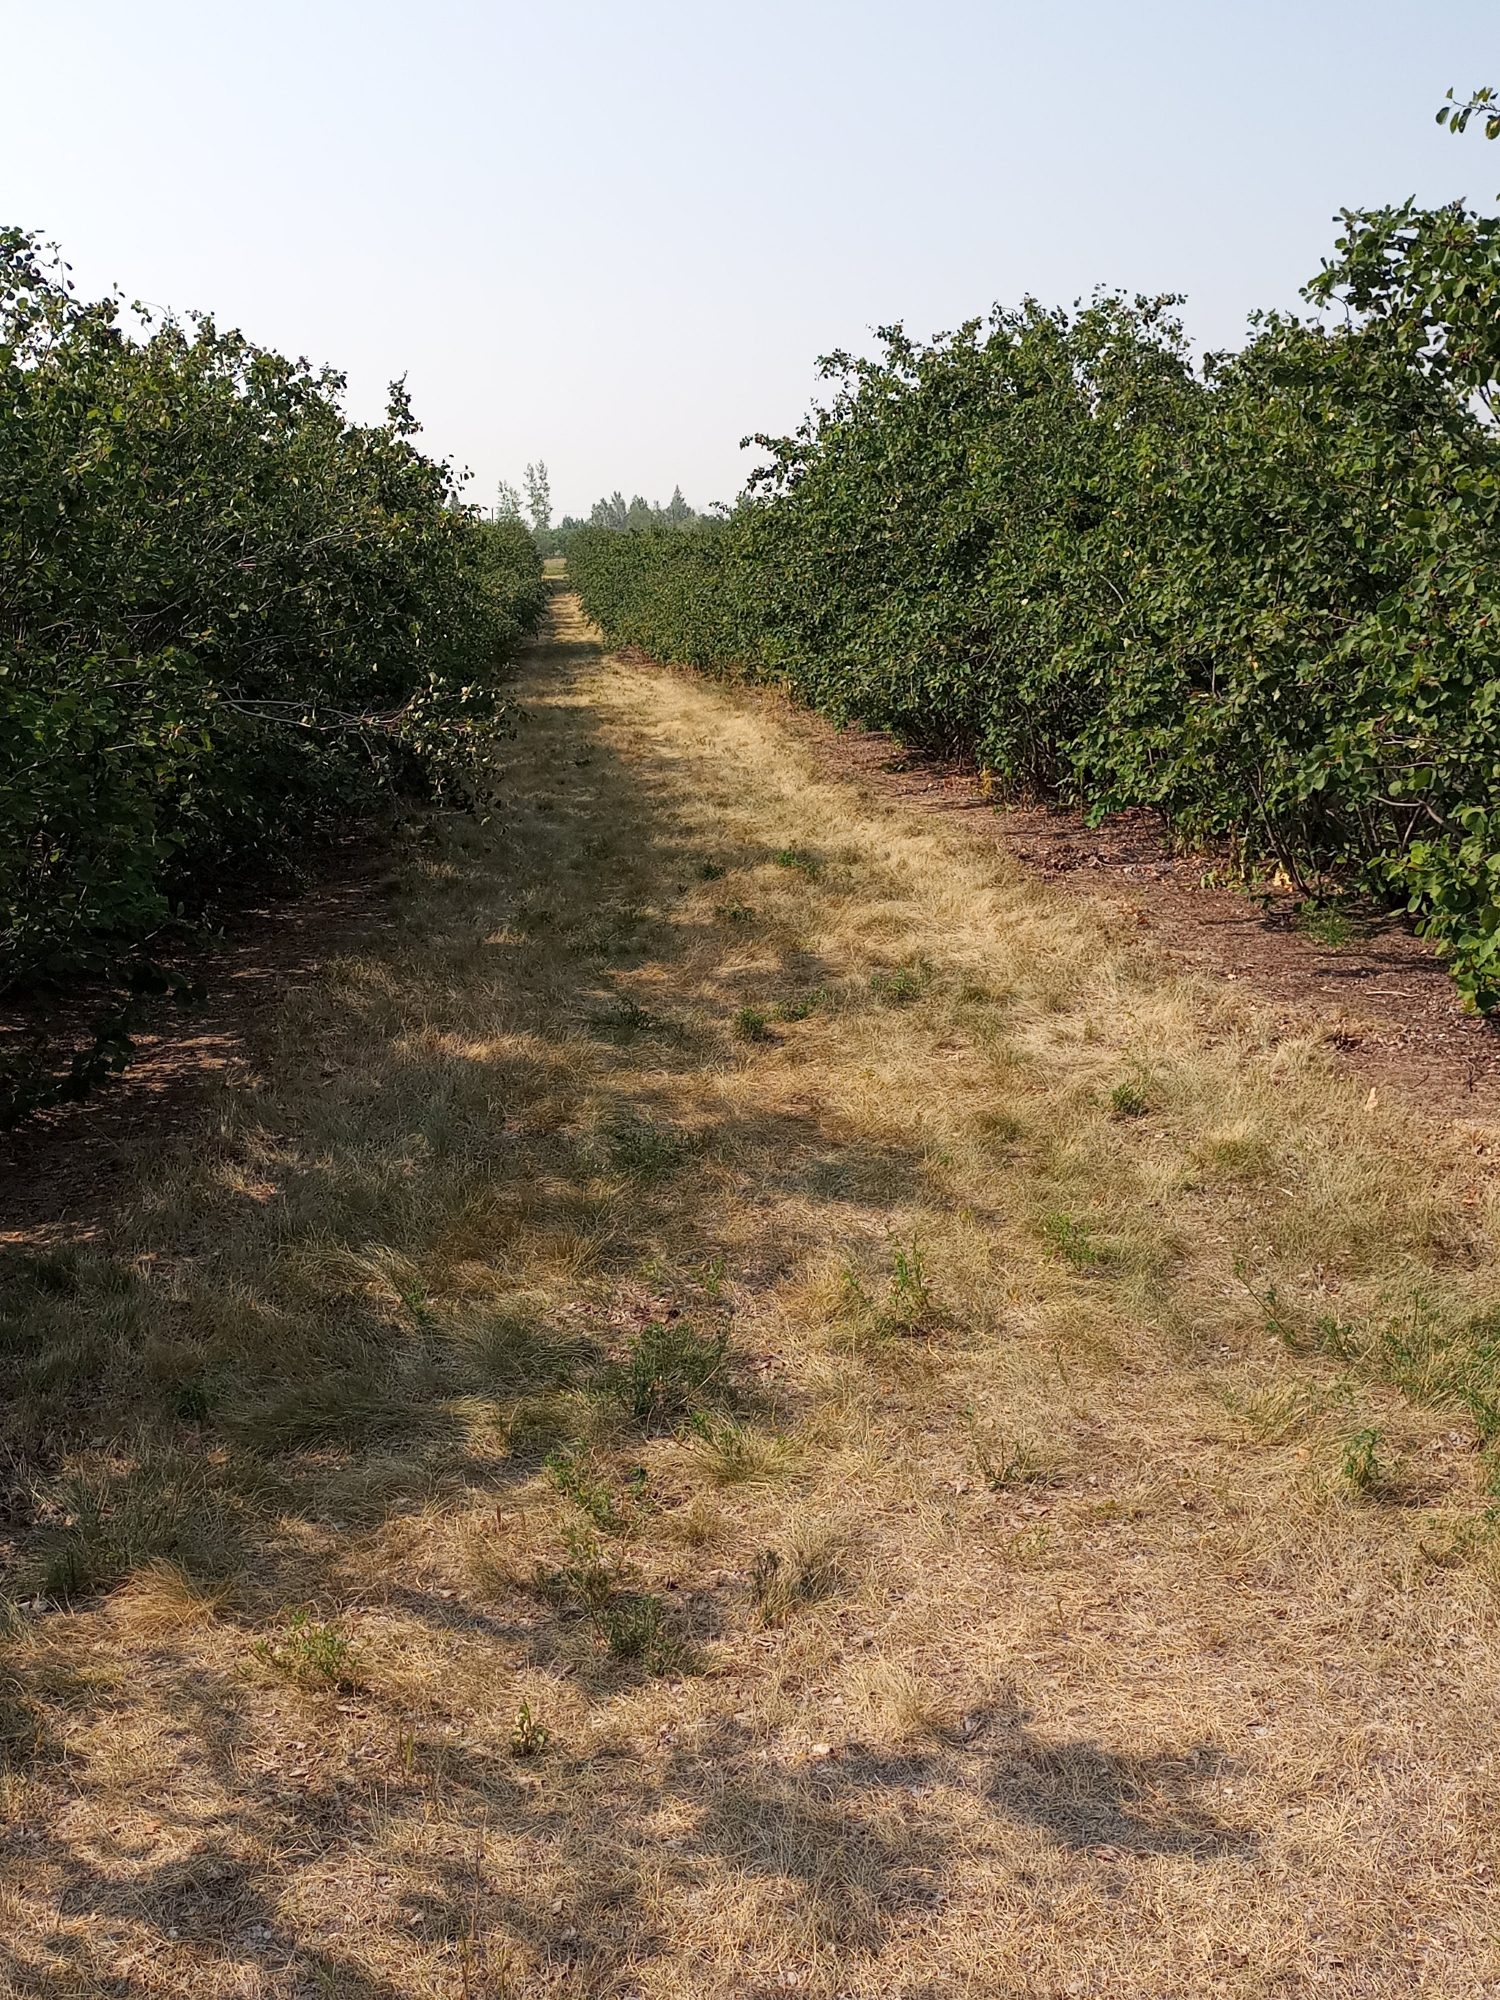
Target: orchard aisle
x,y
753,1402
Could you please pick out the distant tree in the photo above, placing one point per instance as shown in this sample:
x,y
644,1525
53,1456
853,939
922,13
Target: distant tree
x,y
539,497
615,513
507,502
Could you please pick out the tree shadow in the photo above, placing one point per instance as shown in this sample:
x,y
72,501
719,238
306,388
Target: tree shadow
x,y
243,1376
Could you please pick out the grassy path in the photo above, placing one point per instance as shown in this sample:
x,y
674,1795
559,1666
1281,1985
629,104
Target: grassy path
x,y
754,1402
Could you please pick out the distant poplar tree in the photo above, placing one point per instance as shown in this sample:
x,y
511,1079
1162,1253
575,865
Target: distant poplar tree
x,y
539,497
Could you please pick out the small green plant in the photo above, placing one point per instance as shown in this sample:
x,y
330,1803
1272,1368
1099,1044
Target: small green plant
x,y
530,916
735,1454
1362,1472
750,1025
910,1302
1324,926
528,1736
710,871
311,1654
576,1474
910,1309
632,1623
1072,1241
801,1005
644,1151
1128,1100
734,913
900,985
1003,1463
668,1370
626,1017
799,858
189,1401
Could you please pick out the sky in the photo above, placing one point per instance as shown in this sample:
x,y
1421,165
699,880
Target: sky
x,y
616,234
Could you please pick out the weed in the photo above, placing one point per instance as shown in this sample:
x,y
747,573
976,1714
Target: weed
x,y
750,1025
1325,926
734,1454
634,1626
1362,1472
1072,1242
734,913
911,1304
632,1623
910,1309
1027,1545
528,1736
900,985
1128,1100
802,1005
1003,1463
644,1151
626,1017
710,871
311,1654
799,858
531,917
576,1474
667,1369
189,1401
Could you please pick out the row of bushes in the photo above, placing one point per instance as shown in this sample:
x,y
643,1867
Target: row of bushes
x,y
1258,596
231,620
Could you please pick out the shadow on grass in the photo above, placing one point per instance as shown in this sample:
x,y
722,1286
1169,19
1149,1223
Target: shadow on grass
x,y
328,1315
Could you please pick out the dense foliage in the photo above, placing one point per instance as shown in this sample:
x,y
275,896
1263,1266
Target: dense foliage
x,y
230,619
1259,597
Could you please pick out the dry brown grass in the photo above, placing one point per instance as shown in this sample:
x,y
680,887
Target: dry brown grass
x,y
552,1491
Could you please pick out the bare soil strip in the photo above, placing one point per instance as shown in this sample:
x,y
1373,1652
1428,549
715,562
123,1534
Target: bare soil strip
x,y
746,1398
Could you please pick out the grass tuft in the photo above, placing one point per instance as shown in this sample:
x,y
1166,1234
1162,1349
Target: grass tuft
x,y
311,1654
669,1370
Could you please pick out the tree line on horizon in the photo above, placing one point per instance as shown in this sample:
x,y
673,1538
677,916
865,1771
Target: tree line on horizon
x,y
531,504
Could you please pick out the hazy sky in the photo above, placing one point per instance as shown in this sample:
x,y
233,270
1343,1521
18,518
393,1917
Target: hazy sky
x,y
617,235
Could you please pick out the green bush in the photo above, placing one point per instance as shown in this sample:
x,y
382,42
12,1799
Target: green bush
x,y
231,620
1258,597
